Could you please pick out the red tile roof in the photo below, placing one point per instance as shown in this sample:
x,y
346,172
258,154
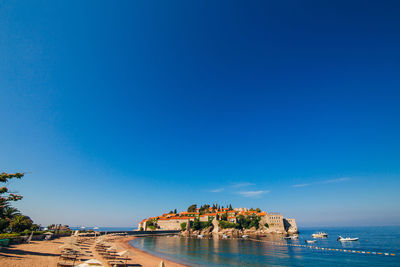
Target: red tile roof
x,y
181,218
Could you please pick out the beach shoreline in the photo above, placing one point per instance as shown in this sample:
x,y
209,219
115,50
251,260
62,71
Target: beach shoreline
x,y
46,254
143,258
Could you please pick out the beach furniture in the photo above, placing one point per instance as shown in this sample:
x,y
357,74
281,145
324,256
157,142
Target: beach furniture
x,y
117,264
68,257
91,262
65,264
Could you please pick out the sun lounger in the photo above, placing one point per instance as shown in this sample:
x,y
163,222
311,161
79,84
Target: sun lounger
x,y
64,264
117,263
68,257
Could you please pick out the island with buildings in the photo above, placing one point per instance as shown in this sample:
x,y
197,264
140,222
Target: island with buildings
x,y
215,220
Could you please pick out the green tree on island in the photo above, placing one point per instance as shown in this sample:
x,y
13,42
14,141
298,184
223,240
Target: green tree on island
x,y
192,208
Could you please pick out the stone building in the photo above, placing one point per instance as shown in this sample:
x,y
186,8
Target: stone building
x,y
172,223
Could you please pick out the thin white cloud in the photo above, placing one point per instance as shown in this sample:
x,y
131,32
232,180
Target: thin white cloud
x,y
330,181
217,190
253,193
242,184
344,179
300,185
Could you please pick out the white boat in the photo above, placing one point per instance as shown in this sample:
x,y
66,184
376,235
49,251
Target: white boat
x,y
319,235
225,236
311,241
200,236
245,236
347,239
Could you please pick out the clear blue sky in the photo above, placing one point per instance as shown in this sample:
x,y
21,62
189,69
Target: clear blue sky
x,y
122,110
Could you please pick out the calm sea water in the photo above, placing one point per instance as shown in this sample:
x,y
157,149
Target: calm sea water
x,y
237,252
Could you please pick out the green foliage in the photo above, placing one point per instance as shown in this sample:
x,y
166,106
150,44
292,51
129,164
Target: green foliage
x,y
226,224
224,217
183,226
150,223
258,209
175,211
5,197
266,225
20,223
204,209
35,227
4,177
230,207
3,236
10,212
197,225
248,222
151,227
4,224
192,208
39,232
9,215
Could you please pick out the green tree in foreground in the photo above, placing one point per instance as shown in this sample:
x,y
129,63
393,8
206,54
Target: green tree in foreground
x,y
10,217
20,223
5,196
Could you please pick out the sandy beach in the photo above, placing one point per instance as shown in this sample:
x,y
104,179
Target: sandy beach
x,y
46,253
35,254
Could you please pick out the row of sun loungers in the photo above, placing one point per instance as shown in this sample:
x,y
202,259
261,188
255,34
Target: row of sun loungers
x,y
75,250
109,253
78,249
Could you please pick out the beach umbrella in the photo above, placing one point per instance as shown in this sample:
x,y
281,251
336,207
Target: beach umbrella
x,y
113,247
91,262
123,253
161,264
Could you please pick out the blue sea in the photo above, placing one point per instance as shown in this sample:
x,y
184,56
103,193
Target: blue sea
x,y
239,252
